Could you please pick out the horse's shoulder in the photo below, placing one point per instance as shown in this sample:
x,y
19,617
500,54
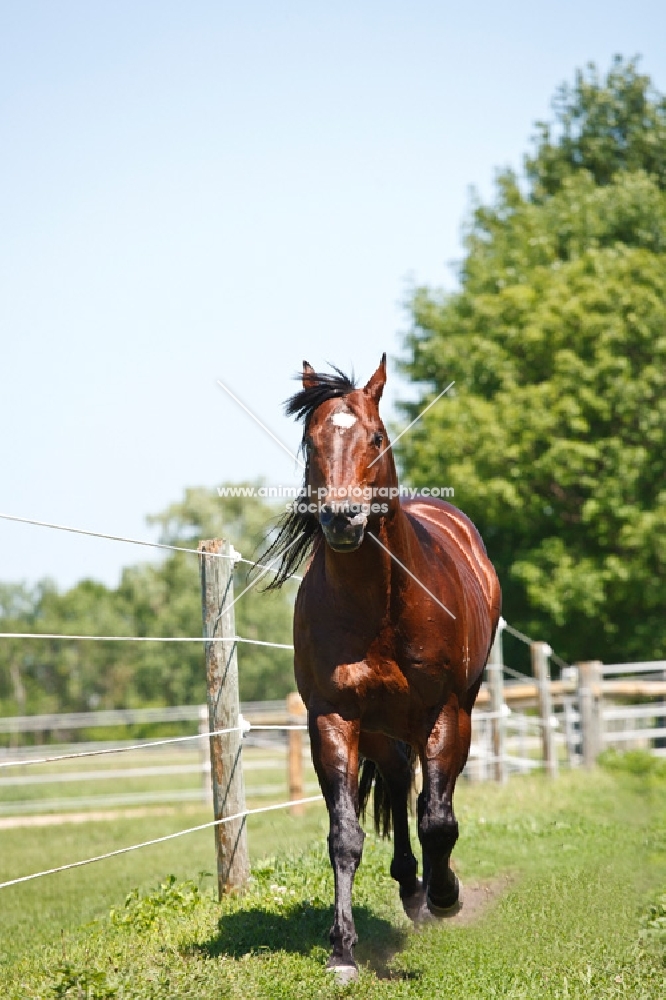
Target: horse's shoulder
x,y
457,536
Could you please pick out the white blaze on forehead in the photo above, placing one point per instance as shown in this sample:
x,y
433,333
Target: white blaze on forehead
x,y
344,420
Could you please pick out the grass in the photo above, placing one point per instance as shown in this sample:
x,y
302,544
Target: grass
x,y
583,913
34,913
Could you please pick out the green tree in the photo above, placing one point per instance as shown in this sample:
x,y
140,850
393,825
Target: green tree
x,y
48,675
603,127
152,599
554,434
168,598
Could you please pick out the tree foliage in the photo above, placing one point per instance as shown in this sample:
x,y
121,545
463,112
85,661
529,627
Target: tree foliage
x,y
152,599
554,434
603,127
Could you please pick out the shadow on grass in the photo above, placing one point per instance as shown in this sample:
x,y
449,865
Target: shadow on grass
x,y
304,929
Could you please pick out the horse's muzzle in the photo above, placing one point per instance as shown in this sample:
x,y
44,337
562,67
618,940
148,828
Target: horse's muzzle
x,y
343,527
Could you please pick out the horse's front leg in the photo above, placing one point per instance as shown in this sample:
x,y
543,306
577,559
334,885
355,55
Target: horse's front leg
x,y
438,827
334,742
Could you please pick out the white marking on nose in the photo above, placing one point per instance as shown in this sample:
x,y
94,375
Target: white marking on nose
x,y
343,420
359,518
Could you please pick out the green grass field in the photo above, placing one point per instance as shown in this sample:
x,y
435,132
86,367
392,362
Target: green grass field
x,y
29,912
581,863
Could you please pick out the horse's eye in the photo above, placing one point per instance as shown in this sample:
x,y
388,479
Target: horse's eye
x,y
377,439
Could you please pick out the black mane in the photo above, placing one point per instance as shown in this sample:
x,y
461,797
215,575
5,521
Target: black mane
x,y
298,533
321,387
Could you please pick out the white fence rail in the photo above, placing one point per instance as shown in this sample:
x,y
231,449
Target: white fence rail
x,y
622,724
269,727
593,707
61,722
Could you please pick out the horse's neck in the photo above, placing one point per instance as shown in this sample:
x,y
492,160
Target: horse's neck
x,y
363,578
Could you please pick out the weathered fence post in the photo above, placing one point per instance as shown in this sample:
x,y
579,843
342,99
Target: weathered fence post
x,y
495,675
590,709
296,713
217,595
523,745
541,669
569,730
482,748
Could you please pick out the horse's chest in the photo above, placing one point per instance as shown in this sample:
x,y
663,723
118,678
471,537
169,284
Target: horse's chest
x,y
380,681
362,660
367,678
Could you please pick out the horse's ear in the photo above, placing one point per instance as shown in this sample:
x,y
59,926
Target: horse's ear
x,y
309,375
375,384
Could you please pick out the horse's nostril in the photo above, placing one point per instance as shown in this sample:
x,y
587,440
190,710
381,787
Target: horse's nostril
x,y
326,515
334,515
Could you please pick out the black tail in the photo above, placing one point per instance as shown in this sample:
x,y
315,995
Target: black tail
x,y
381,800
369,775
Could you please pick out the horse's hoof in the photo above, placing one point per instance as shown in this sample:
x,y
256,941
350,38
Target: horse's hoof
x,y
442,912
414,905
344,972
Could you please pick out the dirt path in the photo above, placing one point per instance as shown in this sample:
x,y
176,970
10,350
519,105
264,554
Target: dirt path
x,y
478,899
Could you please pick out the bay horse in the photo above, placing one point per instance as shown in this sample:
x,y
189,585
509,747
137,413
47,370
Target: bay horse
x,y
393,624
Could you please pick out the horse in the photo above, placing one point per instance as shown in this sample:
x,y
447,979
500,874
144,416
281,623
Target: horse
x,y
393,623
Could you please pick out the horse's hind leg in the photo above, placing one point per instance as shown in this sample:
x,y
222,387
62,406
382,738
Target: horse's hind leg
x,y
438,828
334,744
395,766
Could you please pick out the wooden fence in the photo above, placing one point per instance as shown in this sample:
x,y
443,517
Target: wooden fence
x,y
520,723
626,706
538,722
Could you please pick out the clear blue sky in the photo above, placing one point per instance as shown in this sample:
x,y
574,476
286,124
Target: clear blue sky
x,y
203,190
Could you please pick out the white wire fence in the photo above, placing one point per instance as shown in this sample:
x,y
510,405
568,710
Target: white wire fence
x,y
530,722
160,840
234,556
27,760
202,737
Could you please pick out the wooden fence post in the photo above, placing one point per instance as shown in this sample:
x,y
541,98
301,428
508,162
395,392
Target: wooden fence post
x,y
569,730
485,751
296,713
217,595
523,746
541,669
590,709
495,675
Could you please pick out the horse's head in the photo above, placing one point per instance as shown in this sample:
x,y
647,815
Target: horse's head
x,y
349,472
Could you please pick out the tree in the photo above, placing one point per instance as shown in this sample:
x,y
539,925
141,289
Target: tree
x,y
169,597
44,675
554,434
152,599
603,128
